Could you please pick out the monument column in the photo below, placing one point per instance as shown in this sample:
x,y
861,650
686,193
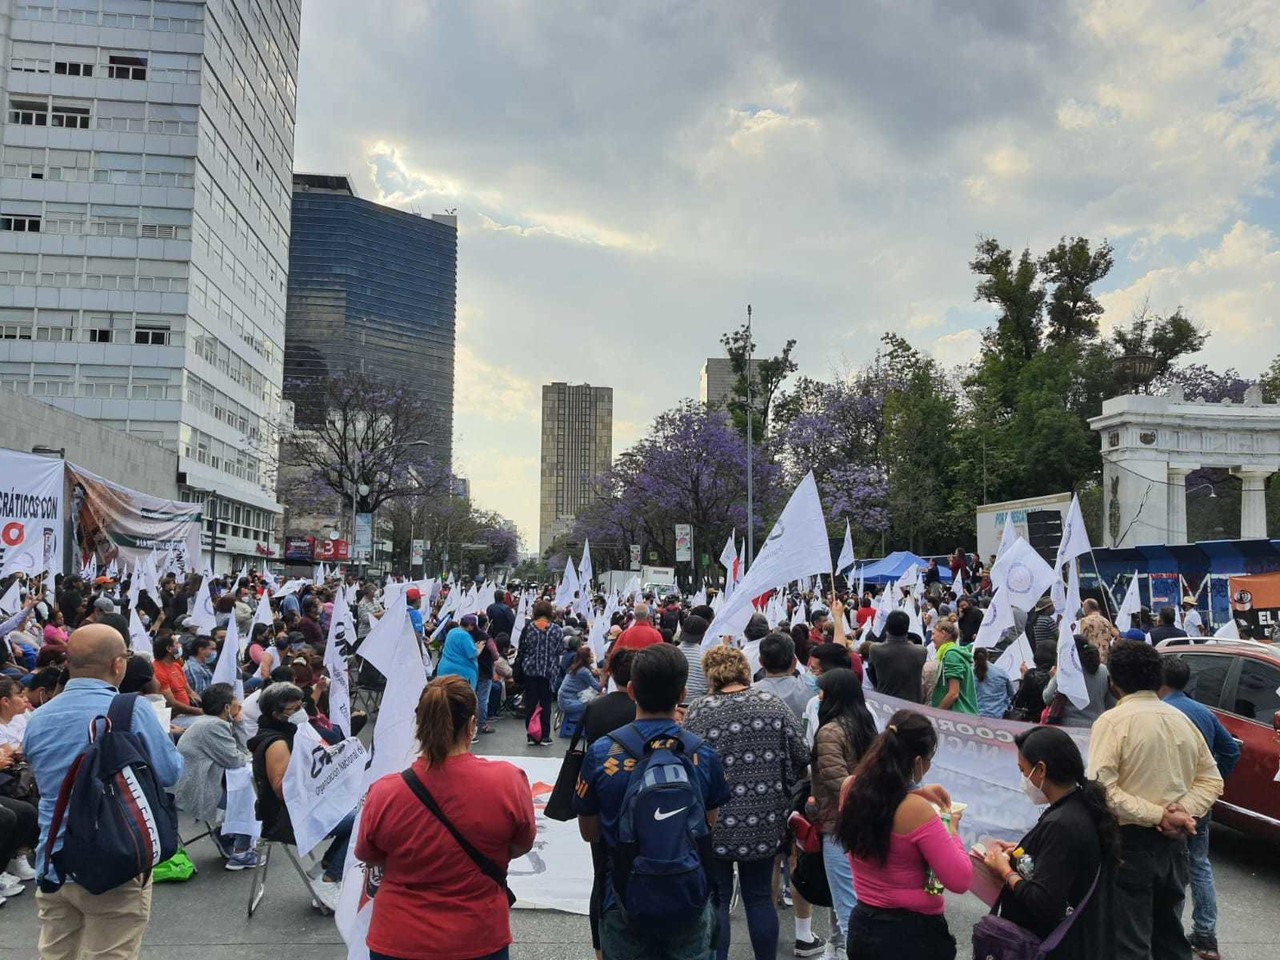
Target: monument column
x,y
1177,493
1253,503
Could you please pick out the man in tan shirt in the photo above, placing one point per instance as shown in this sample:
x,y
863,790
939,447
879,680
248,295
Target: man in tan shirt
x,y
1160,777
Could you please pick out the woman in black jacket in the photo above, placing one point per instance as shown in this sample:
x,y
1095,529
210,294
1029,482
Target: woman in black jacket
x,y
1028,702
1076,841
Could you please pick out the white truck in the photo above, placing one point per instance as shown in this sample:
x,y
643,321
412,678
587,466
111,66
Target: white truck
x,y
658,579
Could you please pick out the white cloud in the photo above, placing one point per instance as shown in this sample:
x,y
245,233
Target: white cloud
x,y
957,349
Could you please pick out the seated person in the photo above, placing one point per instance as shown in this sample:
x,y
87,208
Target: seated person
x,y
213,744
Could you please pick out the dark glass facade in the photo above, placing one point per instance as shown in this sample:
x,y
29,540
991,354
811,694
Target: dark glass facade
x,y
371,289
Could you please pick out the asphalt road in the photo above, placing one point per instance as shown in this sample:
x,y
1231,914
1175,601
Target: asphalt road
x,y
204,919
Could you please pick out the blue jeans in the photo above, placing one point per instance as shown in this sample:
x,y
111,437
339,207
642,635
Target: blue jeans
x,y
1204,898
483,686
335,858
840,877
756,880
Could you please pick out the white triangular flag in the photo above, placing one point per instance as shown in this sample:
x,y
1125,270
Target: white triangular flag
x,y
997,618
585,573
202,615
1075,538
568,588
796,547
847,560
1228,631
1070,675
1007,536
139,639
1023,575
342,634
227,669
11,602
1130,606
263,614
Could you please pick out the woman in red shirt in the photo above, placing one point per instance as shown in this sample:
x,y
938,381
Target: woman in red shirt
x,y
434,902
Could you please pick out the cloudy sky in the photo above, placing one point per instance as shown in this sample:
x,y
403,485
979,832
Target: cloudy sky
x,y
628,176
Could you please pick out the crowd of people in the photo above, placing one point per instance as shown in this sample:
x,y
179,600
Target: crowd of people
x,y
709,770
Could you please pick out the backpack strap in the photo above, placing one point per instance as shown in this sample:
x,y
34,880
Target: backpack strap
x,y
59,811
629,739
120,713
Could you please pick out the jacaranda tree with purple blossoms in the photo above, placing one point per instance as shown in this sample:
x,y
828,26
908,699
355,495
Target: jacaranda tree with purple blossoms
x,y
689,468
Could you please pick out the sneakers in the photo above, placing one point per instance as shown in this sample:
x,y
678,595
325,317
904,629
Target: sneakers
x,y
785,899
222,845
19,868
327,892
1206,948
10,886
810,948
243,861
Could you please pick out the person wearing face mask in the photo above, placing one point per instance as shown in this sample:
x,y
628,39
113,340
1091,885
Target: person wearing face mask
x,y
281,715
1075,844
111,923
901,851
173,681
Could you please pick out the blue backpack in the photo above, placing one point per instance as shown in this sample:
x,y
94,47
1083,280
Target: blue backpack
x,y
120,822
663,836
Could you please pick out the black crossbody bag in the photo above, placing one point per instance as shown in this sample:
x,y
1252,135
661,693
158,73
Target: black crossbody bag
x,y
486,866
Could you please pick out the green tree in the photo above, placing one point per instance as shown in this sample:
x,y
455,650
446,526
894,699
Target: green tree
x,y
1270,382
1072,268
765,376
1165,338
1014,288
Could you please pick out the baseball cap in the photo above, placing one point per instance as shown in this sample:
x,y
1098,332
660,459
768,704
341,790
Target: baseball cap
x,y
1135,634
413,593
469,620
104,605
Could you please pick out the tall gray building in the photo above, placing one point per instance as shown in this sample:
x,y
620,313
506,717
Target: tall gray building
x,y
715,387
577,444
146,156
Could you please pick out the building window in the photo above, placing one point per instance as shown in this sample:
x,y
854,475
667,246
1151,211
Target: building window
x,y
151,336
15,331
68,69
54,334
20,224
29,113
99,335
127,68
65,115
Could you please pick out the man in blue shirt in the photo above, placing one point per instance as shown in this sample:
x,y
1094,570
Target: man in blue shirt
x,y
72,920
658,676
1226,753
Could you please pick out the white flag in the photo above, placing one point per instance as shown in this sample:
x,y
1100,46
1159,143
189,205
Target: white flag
x,y
1023,575
202,615
1016,654
1007,536
263,614
227,669
1228,631
139,639
568,586
846,561
11,602
1073,594
342,634
585,573
997,618
1130,606
729,560
321,784
796,547
1075,538
1070,673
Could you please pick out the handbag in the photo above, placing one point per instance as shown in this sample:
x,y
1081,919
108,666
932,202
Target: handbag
x,y
19,782
487,866
560,803
995,938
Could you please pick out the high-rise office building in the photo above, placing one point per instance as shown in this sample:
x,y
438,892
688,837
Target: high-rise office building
x,y
372,289
715,387
145,162
577,444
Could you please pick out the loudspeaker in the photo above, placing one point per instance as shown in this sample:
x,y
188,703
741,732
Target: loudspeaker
x,y
1044,532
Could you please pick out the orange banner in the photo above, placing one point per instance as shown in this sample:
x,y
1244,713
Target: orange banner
x,y
1255,601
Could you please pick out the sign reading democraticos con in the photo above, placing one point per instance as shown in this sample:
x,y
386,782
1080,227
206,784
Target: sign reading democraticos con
x,y
31,513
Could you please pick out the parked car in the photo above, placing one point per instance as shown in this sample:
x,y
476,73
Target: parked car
x,y
1240,682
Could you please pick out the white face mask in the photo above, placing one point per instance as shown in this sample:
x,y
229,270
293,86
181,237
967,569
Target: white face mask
x,y
1034,793
299,718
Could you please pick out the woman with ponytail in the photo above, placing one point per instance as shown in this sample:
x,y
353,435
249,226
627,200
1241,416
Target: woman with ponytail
x,y
901,851
1048,872
434,901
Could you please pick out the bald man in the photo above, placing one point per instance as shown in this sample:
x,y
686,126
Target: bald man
x,y
107,926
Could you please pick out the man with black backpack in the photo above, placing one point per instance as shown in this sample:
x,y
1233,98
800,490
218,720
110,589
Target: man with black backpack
x,y
104,819
651,791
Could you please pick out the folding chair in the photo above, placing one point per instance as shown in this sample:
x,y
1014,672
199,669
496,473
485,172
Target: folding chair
x,y
369,686
258,875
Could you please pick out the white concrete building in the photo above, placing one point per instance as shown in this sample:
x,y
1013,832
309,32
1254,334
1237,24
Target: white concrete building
x,y
146,159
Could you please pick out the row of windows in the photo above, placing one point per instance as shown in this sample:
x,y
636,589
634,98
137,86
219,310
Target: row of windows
x,y
142,335
69,60
128,116
87,166
231,459
226,23
98,273
231,363
208,243
236,519
268,252
271,156
260,96
131,15
207,292
221,407
67,225
241,325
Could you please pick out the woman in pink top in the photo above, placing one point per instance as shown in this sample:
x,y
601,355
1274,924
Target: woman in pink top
x,y
901,852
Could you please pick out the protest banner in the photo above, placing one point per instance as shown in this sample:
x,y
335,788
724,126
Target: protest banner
x,y
1255,602
321,785
113,522
977,763
31,514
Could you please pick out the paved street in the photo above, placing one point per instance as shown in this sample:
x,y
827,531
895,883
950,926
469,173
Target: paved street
x,y
205,918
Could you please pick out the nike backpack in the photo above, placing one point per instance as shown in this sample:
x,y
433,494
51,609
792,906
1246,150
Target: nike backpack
x,y
658,872
119,821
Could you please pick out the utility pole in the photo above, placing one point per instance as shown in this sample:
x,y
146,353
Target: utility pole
x,y
751,525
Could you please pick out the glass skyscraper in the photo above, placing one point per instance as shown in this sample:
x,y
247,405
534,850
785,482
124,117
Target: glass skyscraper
x,y
371,290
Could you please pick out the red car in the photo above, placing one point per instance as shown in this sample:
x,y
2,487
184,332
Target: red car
x,y
1240,682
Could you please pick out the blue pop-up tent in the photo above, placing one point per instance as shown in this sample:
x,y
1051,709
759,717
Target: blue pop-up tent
x,y
889,569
